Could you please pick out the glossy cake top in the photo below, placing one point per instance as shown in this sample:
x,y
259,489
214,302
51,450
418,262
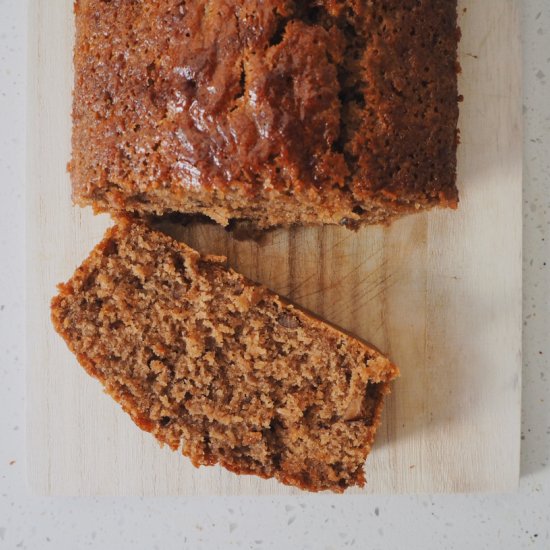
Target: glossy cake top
x,y
300,97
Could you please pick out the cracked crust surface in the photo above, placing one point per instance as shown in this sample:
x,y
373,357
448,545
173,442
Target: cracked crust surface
x,y
224,369
278,112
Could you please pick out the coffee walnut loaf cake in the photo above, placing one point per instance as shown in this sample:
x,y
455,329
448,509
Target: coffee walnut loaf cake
x,y
224,369
278,112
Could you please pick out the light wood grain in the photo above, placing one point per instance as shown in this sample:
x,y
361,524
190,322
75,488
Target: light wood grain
x,y
440,292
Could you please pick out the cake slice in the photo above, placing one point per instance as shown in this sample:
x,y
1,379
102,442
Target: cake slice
x,y
277,112
220,367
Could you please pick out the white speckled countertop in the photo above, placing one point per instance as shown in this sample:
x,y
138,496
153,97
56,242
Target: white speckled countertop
x,y
504,522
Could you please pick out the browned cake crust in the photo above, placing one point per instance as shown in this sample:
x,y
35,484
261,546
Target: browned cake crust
x,y
279,112
208,361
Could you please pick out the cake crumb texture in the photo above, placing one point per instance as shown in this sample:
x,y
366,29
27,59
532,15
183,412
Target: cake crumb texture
x,y
220,367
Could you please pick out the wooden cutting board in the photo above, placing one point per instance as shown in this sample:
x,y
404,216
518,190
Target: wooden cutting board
x,y
439,292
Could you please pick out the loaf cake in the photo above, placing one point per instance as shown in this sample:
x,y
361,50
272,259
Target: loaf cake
x,y
220,367
276,112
